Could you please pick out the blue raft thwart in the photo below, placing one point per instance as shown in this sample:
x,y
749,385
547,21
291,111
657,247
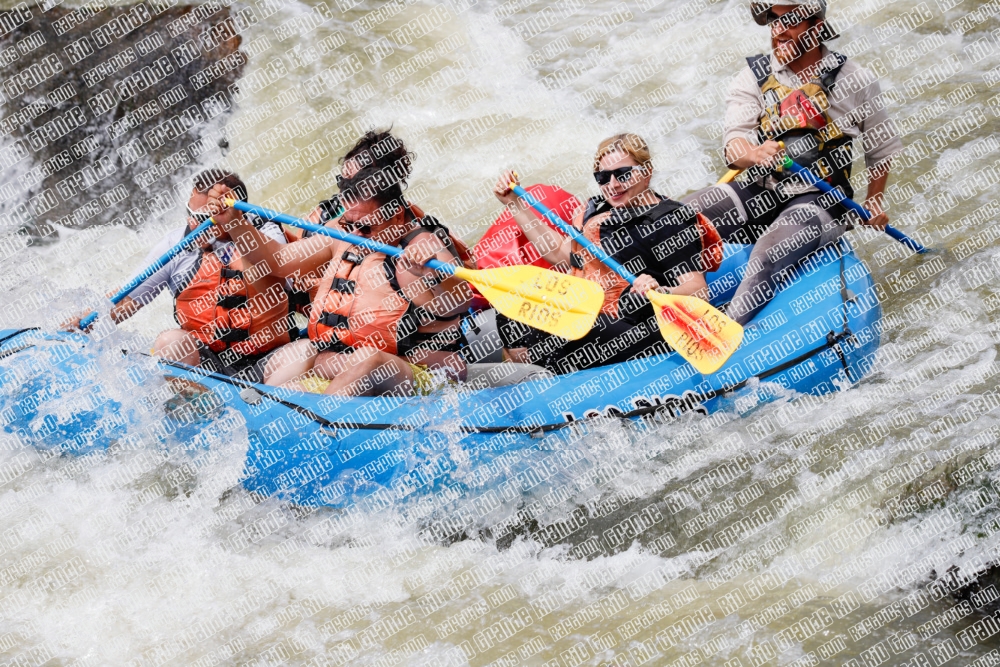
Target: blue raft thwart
x,y
819,334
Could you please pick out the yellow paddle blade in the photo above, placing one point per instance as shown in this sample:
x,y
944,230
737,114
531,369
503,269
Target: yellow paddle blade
x,y
557,303
698,332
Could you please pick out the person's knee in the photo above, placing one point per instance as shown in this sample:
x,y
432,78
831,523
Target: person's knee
x,y
177,345
295,357
367,356
453,365
379,365
331,364
382,368
518,355
792,246
298,352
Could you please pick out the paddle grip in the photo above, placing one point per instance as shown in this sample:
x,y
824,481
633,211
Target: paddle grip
x,y
573,233
812,179
730,175
150,270
267,213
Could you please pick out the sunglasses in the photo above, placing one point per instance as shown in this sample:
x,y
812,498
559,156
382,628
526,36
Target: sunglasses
x,y
352,227
198,216
622,174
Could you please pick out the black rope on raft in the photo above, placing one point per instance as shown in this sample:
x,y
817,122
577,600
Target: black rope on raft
x,y
832,341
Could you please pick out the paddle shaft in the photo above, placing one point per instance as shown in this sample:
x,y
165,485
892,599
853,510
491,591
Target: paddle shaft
x,y
604,257
572,232
151,269
813,180
730,175
291,221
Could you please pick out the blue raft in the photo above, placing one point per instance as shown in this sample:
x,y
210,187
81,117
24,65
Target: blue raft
x,y
819,334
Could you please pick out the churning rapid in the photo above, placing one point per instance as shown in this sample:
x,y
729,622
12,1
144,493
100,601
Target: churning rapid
x,y
869,518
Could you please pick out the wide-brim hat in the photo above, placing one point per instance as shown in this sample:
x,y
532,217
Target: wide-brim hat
x,y
759,12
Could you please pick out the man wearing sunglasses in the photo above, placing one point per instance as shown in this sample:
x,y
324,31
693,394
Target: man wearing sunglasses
x,y
232,312
378,325
811,103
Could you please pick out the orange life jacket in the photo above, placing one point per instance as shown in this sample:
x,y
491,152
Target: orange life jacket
x,y
224,312
359,302
305,288
589,219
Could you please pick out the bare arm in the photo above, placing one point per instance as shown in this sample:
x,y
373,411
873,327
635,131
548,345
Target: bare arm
x,y
424,286
552,246
741,154
125,309
304,256
688,284
120,312
691,284
254,250
873,200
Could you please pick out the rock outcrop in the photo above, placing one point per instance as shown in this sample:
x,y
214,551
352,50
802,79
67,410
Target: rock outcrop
x,y
107,111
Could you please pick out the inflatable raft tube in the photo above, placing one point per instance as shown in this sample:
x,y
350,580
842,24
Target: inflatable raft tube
x,y
819,334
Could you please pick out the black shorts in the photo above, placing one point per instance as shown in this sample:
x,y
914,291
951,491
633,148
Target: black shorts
x,y
612,340
742,212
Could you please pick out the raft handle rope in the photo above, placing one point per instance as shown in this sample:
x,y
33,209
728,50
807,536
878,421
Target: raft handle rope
x,y
535,431
847,296
9,353
301,409
17,333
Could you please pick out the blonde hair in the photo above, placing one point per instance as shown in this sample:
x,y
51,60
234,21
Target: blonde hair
x,y
629,143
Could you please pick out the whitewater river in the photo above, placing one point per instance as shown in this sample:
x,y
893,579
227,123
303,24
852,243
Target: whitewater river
x,y
876,506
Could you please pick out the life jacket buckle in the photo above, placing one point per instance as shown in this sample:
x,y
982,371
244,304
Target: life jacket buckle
x,y
231,301
343,285
349,256
575,260
232,335
229,274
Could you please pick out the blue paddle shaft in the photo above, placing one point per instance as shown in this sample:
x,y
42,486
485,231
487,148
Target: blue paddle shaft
x,y
812,179
574,234
151,269
435,264
905,240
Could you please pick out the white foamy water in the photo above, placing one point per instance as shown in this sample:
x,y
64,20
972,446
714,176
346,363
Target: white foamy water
x,y
862,502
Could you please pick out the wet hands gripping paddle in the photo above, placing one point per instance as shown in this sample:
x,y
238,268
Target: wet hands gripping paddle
x,y
559,304
701,334
151,269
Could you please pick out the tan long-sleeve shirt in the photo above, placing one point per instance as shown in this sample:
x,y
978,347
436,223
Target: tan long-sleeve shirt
x,y
855,106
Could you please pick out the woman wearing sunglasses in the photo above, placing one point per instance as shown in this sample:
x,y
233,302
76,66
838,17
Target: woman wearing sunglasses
x,y
658,239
